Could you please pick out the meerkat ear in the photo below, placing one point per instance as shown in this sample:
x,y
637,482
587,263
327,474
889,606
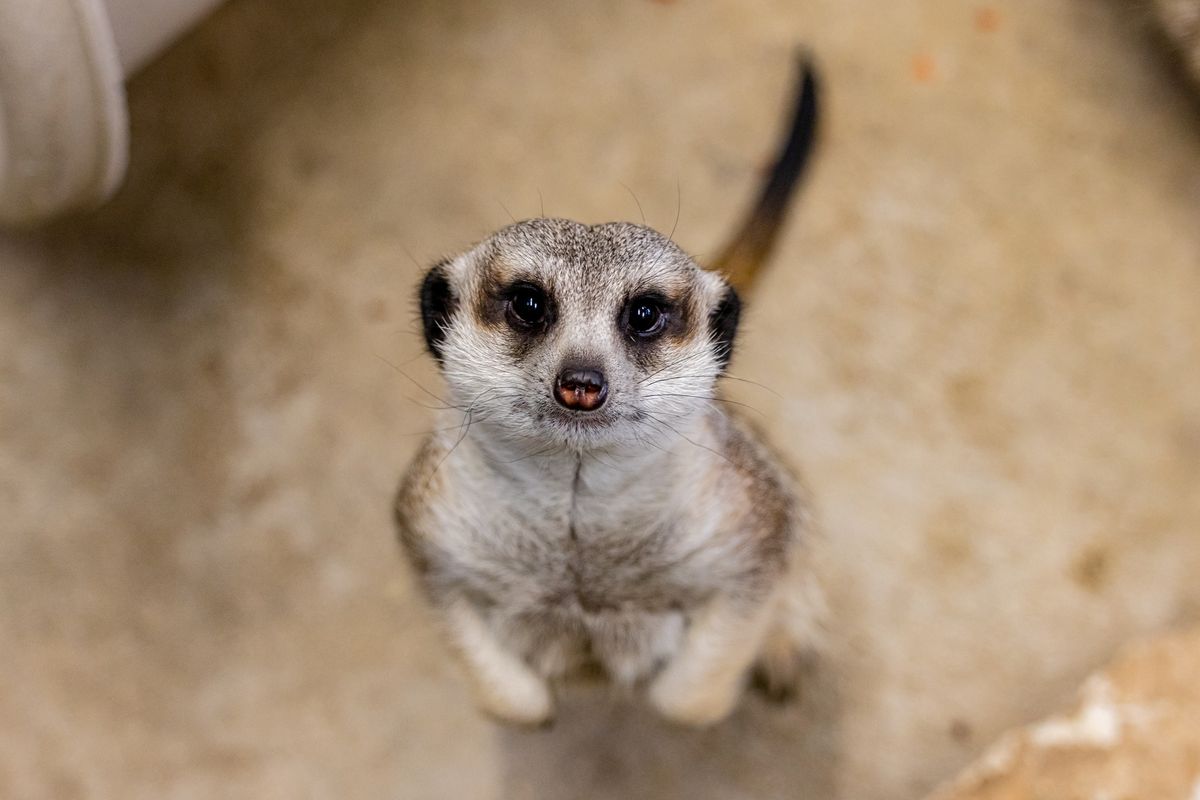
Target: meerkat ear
x,y
723,325
437,306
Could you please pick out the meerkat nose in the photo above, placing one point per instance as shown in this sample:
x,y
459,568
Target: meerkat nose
x,y
581,389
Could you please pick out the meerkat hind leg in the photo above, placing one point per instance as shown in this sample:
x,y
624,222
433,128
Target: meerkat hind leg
x,y
701,684
795,638
776,674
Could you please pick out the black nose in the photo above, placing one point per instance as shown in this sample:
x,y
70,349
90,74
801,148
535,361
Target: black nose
x,y
581,389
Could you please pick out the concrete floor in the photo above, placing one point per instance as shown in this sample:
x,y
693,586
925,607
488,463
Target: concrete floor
x,y
981,331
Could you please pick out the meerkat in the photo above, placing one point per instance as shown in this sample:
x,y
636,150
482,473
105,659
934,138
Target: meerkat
x,y
585,505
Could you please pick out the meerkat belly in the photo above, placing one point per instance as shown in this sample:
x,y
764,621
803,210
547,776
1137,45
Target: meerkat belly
x,y
612,597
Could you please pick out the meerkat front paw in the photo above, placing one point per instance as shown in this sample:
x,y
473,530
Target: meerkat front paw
x,y
687,701
518,698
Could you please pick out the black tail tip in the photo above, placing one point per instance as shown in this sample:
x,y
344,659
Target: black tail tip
x,y
751,245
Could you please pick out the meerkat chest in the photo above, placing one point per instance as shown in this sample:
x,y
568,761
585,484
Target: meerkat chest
x,y
590,554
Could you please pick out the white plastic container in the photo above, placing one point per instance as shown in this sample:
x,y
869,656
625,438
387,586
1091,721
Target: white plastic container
x,y
63,125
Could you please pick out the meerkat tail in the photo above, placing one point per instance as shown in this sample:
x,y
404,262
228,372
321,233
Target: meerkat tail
x,y
745,254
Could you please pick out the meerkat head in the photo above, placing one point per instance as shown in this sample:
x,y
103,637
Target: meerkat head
x,y
585,335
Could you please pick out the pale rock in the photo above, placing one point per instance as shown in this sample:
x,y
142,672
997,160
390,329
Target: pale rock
x,y
1134,734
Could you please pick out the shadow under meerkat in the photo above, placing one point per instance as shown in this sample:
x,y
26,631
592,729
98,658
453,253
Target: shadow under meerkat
x,y
604,747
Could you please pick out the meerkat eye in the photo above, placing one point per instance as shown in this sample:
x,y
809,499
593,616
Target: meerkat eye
x,y
645,316
527,305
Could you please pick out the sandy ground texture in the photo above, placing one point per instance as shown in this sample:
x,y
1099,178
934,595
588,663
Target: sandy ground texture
x,y
980,339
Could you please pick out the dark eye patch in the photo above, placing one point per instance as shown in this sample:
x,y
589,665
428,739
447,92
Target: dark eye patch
x,y
651,321
521,308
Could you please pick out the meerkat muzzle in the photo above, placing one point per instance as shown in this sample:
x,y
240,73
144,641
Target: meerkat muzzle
x,y
581,389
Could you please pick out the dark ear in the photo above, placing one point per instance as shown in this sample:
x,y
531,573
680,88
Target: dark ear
x,y
437,306
723,324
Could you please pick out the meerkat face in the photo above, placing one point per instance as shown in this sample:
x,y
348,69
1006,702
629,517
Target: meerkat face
x,y
582,335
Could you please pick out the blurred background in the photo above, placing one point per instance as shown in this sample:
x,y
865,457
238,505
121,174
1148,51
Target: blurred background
x,y
979,334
